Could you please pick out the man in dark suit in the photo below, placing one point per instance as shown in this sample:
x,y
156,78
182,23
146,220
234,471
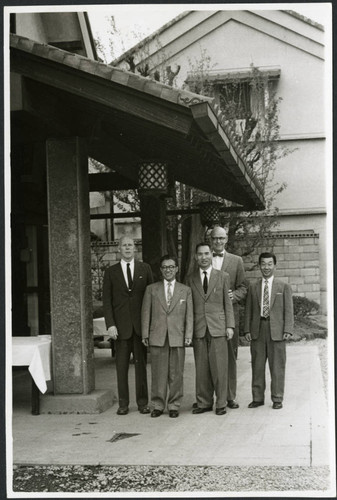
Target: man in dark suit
x,y
124,286
213,326
167,327
269,322
233,265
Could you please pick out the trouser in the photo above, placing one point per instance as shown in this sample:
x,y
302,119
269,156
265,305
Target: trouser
x,y
167,368
124,348
211,367
264,348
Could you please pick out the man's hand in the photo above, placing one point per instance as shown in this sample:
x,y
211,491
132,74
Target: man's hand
x,y
230,333
248,337
286,336
112,331
188,342
230,294
145,342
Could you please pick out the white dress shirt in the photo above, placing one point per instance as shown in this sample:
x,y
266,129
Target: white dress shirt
x,y
173,282
218,261
270,284
132,269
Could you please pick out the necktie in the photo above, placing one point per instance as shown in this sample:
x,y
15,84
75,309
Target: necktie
x,y
169,294
205,282
266,300
217,254
128,273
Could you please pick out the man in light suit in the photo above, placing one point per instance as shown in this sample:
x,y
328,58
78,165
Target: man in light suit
x,y
233,265
213,327
124,286
167,326
269,322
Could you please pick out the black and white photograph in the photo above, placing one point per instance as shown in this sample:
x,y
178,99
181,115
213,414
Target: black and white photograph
x,y
168,250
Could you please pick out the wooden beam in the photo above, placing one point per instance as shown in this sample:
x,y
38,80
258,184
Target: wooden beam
x,y
110,182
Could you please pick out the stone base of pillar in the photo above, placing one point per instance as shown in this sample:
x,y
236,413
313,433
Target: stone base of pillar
x,y
95,402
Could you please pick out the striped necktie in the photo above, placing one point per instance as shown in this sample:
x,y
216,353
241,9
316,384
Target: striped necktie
x,y
266,300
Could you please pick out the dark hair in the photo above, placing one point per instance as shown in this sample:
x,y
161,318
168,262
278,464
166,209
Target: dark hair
x,y
202,244
169,257
267,255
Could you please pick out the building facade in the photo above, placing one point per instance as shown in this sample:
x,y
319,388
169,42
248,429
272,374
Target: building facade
x,y
290,50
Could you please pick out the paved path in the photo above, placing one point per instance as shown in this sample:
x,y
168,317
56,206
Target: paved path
x,y
297,435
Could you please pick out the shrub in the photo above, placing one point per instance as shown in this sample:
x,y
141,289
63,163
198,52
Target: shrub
x,y
303,306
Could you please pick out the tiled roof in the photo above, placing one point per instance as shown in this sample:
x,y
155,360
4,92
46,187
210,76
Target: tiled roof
x,y
106,71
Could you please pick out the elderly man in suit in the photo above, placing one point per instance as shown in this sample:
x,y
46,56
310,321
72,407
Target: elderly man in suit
x,y
233,265
167,327
124,286
213,327
269,322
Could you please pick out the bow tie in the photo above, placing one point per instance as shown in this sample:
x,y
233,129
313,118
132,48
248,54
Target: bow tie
x,y
217,254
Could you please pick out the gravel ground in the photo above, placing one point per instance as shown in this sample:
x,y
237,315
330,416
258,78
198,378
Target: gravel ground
x,y
177,479
168,479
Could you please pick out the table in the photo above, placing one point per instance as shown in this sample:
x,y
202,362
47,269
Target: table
x,y
34,352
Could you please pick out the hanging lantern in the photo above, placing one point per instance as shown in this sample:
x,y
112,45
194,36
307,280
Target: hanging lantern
x,y
209,212
153,178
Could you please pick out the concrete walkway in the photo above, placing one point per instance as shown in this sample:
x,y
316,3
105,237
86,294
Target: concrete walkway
x,y
297,435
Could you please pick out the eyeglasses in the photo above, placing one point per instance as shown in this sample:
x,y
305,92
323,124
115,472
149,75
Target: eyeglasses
x,y
166,268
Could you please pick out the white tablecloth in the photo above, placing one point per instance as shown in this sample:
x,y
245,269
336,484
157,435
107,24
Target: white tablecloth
x,y
99,326
34,352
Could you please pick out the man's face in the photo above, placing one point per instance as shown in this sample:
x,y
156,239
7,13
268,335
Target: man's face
x,y
204,257
267,267
169,269
127,248
219,239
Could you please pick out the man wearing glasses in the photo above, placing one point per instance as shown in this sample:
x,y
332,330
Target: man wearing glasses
x,y
167,327
233,265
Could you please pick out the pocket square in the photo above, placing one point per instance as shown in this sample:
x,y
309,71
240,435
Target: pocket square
x,y
182,300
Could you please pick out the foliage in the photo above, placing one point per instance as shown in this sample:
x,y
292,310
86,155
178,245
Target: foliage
x,y
304,307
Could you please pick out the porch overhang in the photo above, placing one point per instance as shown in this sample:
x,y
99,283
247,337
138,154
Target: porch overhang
x,y
126,119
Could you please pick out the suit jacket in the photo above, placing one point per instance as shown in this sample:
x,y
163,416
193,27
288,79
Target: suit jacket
x,y
122,308
233,265
213,310
158,321
281,309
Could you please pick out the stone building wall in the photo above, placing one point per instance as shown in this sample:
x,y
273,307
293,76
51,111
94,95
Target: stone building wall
x,y
297,262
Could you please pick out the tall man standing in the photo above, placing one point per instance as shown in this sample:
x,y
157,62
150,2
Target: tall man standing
x,y
124,286
269,322
233,265
213,326
167,326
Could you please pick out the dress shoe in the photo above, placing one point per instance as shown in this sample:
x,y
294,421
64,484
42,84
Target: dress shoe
x,y
255,404
220,411
122,411
173,414
195,405
144,410
156,413
277,405
232,404
195,411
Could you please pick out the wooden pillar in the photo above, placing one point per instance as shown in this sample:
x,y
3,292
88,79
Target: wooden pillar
x,y
154,243
70,261
153,186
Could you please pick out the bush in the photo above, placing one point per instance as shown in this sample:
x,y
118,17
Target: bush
x,y
303,306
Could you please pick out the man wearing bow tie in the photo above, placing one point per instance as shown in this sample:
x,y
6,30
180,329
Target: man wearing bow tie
x,y
233,265
269,322
124,286
167,327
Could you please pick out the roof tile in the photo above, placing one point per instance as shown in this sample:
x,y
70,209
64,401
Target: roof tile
x,y
25,44
56,54
73,60
41,50
152,88
119,76
104,70
136,82
88,66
